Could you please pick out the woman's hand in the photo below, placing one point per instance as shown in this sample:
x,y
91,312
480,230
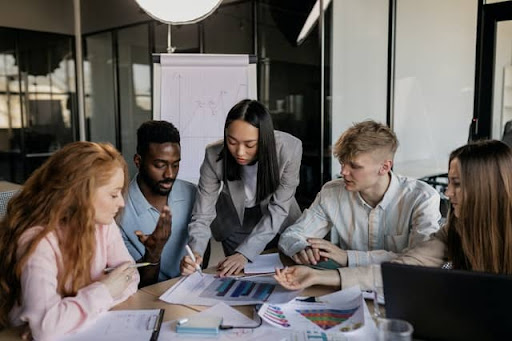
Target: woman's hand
x,y
301,277
188,266
119,279
297,277
232,265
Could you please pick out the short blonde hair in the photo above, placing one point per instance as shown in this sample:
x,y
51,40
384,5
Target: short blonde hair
x,y
363,137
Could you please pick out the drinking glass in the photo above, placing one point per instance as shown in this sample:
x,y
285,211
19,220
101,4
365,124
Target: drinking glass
x,y
395,330
378,291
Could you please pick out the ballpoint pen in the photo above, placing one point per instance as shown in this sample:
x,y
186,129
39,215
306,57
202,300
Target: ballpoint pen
x,y
136,265
191,255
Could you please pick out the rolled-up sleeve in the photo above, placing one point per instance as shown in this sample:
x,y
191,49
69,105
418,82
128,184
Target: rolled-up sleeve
x,y
313,223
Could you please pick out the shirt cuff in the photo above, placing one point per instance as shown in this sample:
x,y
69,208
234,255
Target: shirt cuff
x,y
246,253
297,246
361,276
358,258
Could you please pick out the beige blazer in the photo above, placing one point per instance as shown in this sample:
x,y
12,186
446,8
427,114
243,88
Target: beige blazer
x,y
279,210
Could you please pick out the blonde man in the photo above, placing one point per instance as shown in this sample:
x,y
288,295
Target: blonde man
x,y
372,213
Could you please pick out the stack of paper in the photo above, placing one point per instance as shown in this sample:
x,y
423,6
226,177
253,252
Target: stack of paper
x,y
264,264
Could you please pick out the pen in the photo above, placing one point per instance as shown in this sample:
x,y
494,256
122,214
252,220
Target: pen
x,y
251,276
136,265
191,255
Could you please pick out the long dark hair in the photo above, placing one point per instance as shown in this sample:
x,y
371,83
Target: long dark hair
x,y
254,113
480,238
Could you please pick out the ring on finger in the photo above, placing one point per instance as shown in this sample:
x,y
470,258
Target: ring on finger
x,y
128,278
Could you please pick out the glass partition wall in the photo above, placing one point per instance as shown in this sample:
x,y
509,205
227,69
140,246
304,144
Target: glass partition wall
x,y
37,99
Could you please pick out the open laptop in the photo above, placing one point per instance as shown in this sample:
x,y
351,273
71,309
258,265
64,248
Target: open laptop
x,y
449,304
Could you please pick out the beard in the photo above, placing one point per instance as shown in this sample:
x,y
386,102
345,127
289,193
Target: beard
x,y
155,185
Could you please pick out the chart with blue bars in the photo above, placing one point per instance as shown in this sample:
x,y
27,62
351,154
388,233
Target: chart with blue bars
x,y
232,289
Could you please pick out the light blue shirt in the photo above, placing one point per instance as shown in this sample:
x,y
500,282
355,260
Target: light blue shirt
x,y
139,214
407,214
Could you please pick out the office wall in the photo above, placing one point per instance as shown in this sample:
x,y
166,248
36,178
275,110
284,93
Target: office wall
x,y
359,64
434,81
54,16
434,75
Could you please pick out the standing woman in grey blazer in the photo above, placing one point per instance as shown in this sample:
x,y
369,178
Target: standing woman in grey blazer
x,y
246,190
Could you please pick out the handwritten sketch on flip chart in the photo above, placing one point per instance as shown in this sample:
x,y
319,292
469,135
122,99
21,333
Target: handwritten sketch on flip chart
x,y
195,94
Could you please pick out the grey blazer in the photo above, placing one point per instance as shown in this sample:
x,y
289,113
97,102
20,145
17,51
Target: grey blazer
x,y
279,210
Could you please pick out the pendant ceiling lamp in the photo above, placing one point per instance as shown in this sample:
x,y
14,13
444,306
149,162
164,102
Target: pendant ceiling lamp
x,y
178,12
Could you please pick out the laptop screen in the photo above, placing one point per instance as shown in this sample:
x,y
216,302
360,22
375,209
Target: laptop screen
x,y
449,304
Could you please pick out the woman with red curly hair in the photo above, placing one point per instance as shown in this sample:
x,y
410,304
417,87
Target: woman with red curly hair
x,y
58,237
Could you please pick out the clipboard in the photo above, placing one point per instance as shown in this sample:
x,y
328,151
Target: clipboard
x,y
157,325
114,325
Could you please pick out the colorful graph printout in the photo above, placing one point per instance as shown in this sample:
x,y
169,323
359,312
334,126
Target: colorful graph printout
x,y
207,289
338,312
233,289
327,318
276,315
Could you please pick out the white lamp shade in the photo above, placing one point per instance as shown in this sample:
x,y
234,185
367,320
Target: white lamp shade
x,y
179,11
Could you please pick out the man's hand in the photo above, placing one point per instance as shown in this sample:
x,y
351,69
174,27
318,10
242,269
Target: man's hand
x,y
307,256
328,250
155,242
232,265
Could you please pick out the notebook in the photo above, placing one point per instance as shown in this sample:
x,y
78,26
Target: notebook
x,y
449,304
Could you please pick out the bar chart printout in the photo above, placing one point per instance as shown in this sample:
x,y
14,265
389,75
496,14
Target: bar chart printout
x,y
232,289
208,290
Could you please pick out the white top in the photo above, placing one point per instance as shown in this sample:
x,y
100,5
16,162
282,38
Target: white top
x,y
407,214
250,179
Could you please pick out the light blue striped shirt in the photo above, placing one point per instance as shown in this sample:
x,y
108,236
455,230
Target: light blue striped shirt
x,y
407,214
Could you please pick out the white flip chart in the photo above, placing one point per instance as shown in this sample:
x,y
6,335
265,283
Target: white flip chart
x,y
195,93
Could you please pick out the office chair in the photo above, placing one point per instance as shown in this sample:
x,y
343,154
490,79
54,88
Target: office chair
x,y
4,200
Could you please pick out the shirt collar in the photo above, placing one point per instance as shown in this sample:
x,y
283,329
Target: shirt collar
x,y
140,203
393,189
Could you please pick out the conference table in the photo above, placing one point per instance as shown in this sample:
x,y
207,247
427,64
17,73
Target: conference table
x,y
148,298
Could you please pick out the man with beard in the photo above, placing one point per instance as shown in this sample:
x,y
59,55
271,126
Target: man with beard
x,y
372,213
158,206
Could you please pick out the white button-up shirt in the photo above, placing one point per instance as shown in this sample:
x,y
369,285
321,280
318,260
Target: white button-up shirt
x,y
407,214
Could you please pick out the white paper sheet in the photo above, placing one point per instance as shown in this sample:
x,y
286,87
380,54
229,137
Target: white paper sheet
x,y
209,290
264,264
118,325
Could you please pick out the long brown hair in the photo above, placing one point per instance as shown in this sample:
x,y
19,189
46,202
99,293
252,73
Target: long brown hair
x,y
57,196
480,238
